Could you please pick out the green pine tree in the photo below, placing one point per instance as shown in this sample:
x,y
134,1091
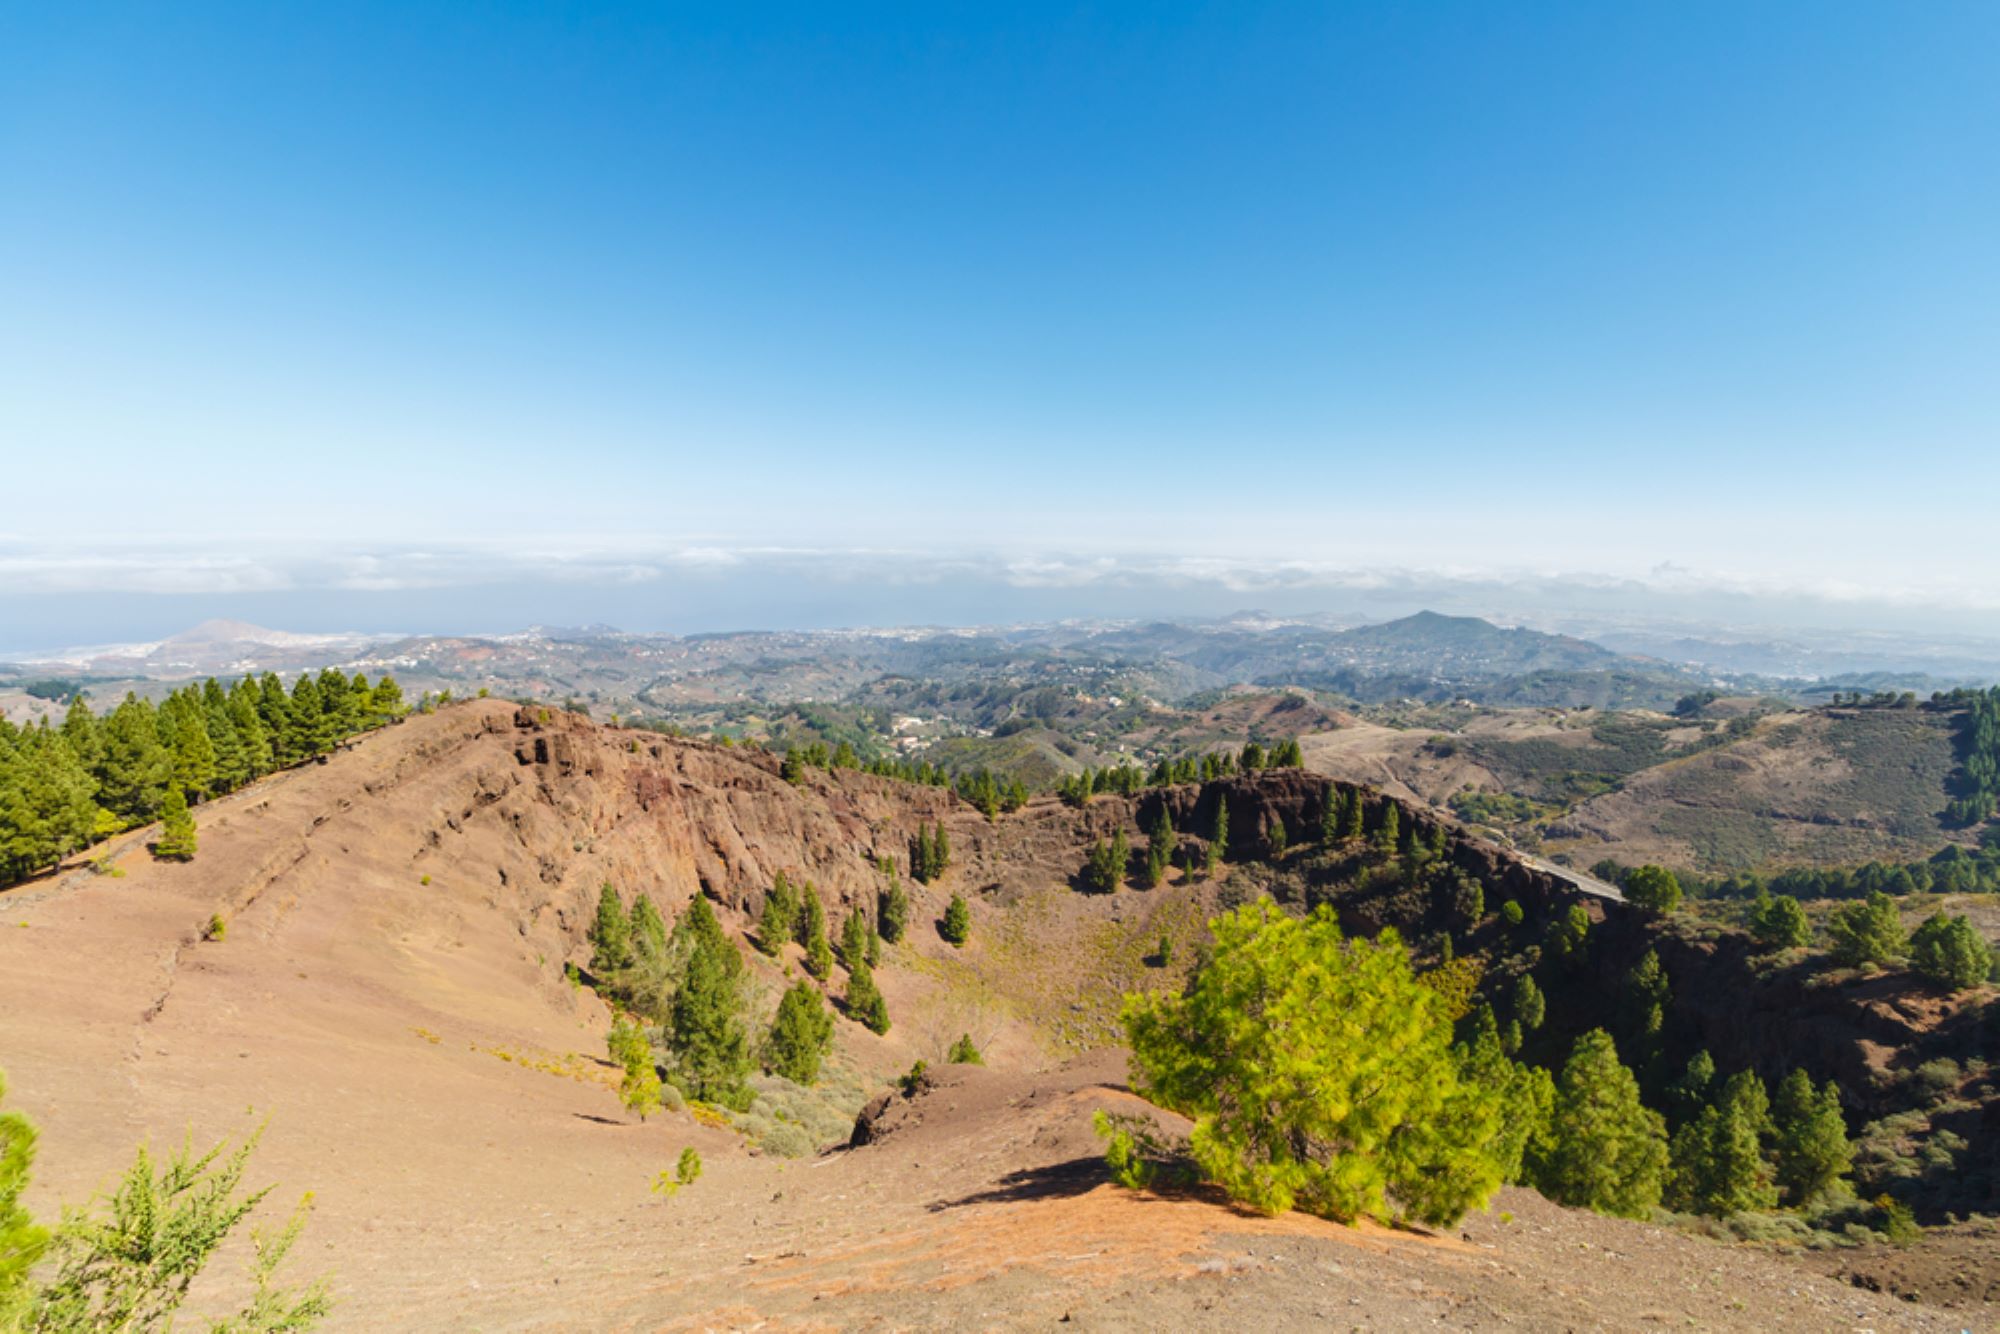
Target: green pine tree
x,y
777,920
1812,1149
957,926
135,770
611,934
705,1024
1352,816
1291,1111
854,934
177,832
1779,922
1606,1150
894,910
649,931
1653,888
963,1052
1868,932
21,1241
864,999
1950,952
1529,1006
812,934
800,1035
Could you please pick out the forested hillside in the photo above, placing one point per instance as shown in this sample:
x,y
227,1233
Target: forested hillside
x,y
64,788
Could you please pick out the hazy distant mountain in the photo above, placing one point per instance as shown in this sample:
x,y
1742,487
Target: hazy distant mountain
x,y
212,647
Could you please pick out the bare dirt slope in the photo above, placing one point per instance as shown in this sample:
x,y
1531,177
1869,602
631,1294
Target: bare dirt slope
x,y
427,1072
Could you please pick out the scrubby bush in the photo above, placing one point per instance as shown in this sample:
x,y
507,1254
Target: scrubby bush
x,y
963,1052
1511,913
1371,1116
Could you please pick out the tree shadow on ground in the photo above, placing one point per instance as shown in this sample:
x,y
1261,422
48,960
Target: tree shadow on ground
x,y
600,1120
1054,1181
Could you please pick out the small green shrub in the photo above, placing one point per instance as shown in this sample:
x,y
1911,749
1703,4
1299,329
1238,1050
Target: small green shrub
x,y
217,928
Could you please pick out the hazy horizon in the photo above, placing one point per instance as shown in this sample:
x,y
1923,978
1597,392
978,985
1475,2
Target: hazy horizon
x,y
377,318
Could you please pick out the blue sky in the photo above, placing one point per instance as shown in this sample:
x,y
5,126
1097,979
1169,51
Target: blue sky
x,y
1707,288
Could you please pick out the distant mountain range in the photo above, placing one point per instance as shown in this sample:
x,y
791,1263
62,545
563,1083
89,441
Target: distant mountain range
x,y
1426,657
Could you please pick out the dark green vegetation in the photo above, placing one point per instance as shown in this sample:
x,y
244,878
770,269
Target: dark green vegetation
x,y
64,788
1977,782
1378,1115
1613,1031
129,1263
688,999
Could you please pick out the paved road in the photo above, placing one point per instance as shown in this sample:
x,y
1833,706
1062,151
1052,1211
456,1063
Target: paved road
x,y
1589,884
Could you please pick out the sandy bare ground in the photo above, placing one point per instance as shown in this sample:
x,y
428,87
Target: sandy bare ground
x,y
427,1073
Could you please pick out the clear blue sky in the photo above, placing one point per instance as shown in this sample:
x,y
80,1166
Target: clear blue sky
x,y
1714,285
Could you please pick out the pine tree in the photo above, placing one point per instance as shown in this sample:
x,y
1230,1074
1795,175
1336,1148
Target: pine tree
x,y
1159,849
775,923
894,911
1690,1093
705,1022
1389,833
1779,923
1868,932
957,921
307,734
1529,1006
812,934
385,702
639,1090
1647,992
800,1035
1719,1167
1218,843
1606,1150
854,934
21,1241
649,931
963,1052
1949,952
921,855
135,769
940,851
80,729
864,1000
1352,816
232,758
1292,1111
46,806
1812,1149
1569,935
1653,888
184,730
611,934
177,833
